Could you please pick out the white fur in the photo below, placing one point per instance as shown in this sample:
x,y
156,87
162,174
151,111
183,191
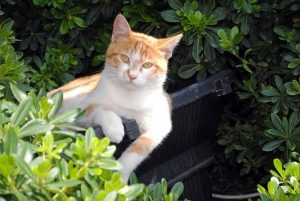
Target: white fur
x,y
130,161
115,96
136,55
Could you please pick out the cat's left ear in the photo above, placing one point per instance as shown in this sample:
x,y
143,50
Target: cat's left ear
x,y
121,28
167,45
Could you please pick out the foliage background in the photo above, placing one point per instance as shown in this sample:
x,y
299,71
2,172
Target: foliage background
x,y
44,156
258,40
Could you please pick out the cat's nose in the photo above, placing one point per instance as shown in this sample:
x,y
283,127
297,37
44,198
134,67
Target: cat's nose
x,y
130,76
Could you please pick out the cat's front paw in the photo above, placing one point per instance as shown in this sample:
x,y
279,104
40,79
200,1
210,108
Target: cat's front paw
x,y
114,132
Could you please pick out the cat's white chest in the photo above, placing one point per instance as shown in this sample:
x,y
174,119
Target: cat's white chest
x,y
126,103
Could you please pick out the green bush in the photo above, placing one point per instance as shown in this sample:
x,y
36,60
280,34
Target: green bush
x,y
40,161
12,68
284,184
258,40
40,158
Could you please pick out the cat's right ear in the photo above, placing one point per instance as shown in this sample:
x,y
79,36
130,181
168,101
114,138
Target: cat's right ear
x,y
121,28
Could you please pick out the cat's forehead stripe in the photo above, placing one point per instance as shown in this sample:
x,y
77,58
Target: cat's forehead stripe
x,y
134,47
143,37
139,52
136,55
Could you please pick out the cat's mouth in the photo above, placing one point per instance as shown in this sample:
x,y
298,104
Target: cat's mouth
x,y
134,82
130,80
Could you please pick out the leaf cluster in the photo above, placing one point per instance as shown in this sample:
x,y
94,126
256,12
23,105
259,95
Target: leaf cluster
x,y
284,184
40,160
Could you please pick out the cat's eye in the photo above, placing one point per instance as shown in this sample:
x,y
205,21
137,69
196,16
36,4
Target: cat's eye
x,y
147,65
125,58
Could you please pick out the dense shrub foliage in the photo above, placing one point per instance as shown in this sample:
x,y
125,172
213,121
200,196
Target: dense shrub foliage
x,y
284,184
40,161
259,40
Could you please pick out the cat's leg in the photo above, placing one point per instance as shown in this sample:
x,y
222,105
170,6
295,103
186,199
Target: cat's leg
x,y
110,122
144,145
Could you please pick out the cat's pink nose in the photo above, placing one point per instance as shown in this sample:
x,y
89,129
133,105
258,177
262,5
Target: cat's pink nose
x,y
131,77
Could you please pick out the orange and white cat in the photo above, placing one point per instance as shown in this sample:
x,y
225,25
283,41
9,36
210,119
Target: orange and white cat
x,y
131,86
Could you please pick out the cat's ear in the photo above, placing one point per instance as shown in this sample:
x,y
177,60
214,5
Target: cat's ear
x,y
121,28
167,45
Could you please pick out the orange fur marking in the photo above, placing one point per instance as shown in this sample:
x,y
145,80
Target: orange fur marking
x,y
87,84
141,145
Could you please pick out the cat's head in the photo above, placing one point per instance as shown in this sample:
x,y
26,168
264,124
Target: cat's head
x,y
136,59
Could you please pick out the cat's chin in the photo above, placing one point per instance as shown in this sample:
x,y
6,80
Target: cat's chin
x,y
133,85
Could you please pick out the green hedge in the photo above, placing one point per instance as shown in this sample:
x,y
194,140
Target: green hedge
x,y
284,184
40,161
258,40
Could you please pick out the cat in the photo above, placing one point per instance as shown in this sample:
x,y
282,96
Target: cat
x,y
130,86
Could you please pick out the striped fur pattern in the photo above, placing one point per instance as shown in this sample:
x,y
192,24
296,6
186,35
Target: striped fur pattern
x,y
130,86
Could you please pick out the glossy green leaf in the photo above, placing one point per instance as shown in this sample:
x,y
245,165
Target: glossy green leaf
x,y
57,99
294,120
212,39
158,193
97,60
68,116
53,173
277,122
79,21
131,192
234,31
64,27
133,178
95,194
177,189
109,164
10,142
89,135
175,4
187,71
245,26
270,91
278,82
34,127
237,38
247,6
209,52
278,165
85,190
197,48
170,16
275,132
222,34
22,111
289,58
24,167
109,152
18,94
112,196
270,146
220,13
7,164
164,186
